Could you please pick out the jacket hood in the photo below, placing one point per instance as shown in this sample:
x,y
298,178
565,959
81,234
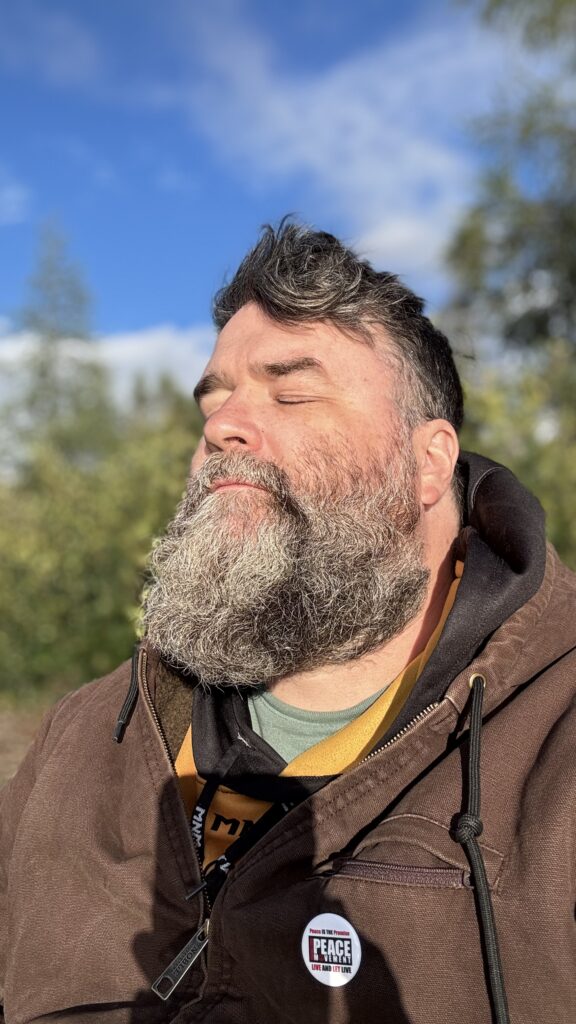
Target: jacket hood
x,y
504,543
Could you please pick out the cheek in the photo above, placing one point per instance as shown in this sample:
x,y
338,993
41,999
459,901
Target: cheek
x,y
199,457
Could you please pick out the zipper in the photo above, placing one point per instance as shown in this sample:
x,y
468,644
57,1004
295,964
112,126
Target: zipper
x,y
182,962
171,977
419,717
142,663
400,874
178,968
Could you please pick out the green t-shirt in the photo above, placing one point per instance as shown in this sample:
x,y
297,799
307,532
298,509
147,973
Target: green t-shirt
x,y
290,730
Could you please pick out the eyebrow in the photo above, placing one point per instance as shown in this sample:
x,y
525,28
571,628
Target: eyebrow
x,y
286,366
213,381
208,383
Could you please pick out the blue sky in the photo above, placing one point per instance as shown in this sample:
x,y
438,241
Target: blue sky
x,y
159,136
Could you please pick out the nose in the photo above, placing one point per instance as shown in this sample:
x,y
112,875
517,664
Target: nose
x,y
232,426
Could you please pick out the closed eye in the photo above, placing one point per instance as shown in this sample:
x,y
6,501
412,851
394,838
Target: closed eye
x,y
293,400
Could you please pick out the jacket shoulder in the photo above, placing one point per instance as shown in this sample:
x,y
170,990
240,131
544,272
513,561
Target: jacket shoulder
x,y
97,702
101,699
564,577
560,606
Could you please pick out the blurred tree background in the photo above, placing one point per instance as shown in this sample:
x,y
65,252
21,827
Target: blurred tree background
x,y
86,482
513,261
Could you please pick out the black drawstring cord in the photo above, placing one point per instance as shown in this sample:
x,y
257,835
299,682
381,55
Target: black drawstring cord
x,y
469,827
130,701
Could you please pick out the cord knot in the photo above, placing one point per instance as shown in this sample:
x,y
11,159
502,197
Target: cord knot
x,y
469,826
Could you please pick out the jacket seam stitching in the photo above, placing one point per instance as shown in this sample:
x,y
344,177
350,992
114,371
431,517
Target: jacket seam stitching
x,y
487,472
167,824
332,808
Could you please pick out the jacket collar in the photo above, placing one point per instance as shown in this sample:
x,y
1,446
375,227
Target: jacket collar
x,y
505,559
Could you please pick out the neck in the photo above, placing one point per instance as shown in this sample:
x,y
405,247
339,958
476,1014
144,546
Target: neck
x,y
335,687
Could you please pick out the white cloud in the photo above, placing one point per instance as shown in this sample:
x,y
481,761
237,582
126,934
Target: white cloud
x,y
379,138
181,352
375,144
14,199
411,243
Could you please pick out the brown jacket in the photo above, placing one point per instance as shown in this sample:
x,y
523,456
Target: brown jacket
x,y
97,862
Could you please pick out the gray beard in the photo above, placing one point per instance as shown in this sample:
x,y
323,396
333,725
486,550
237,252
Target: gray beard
x,y
249,586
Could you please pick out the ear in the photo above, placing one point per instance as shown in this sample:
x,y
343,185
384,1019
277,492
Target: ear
x,y
436,449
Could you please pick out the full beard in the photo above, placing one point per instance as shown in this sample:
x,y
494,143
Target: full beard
x,y
252,585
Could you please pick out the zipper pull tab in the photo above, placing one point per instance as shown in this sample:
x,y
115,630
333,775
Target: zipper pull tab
x,y
181,964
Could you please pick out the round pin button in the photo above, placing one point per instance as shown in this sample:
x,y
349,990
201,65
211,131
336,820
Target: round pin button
x,y
331,949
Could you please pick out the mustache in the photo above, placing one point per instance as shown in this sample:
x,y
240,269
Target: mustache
x,y
222,466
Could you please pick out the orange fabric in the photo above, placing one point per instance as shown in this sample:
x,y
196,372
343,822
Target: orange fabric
x,y
229,813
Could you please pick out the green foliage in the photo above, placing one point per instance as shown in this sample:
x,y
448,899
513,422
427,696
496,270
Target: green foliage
x,y
74,542
85,486
513,256
526,419
542,21
513,259
73,547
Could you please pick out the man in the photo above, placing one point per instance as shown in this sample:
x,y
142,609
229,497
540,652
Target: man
x,y
351,637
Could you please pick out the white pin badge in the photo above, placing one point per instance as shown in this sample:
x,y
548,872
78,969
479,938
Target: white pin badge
x,y
331,949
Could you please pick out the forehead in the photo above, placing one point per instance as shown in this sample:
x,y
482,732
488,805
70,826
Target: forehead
x,y
250,339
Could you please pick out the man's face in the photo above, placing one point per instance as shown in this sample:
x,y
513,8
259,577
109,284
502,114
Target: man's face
x,y
298,542
279,392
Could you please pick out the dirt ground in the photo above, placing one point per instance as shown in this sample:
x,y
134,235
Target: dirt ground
x,y
17,729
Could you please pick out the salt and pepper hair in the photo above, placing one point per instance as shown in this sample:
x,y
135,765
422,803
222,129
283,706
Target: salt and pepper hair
x,y
297,275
